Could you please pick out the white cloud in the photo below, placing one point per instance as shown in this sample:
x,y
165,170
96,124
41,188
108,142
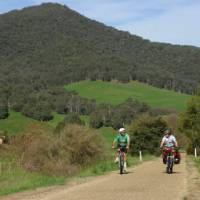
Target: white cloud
x,y
177,26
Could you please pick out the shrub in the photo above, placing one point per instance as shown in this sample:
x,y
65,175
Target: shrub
x,y
63,153
84,145
172,121
39,111
146,133
73,118
189,123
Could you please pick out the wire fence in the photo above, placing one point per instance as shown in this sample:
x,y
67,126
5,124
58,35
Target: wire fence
x,y
9,167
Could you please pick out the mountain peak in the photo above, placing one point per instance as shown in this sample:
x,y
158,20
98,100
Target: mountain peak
x,y
55,39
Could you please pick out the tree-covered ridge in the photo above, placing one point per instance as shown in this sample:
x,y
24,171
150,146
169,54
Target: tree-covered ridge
x,y
50,45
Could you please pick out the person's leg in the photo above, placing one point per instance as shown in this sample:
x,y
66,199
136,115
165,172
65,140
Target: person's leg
x,y
164,158
117,157
125,164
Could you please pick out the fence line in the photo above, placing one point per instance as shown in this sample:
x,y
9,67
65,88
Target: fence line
x,y
7,167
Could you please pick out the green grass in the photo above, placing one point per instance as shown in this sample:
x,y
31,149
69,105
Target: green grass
x,y
86,119
17,179
57,118
115,93
13,178
17,123
197,162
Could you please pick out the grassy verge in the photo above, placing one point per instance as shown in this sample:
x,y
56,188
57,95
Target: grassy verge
x,y
197,162
16,180
108,165
13,178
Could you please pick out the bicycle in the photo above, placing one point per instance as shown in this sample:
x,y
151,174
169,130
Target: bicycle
x,y
121,160
170,159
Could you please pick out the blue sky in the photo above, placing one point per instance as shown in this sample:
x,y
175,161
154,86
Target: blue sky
x,y
171,21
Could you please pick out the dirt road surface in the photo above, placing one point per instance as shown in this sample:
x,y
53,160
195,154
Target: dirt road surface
x,y
147,181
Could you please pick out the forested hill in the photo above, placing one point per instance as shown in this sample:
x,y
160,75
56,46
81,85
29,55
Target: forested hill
x,y
50,45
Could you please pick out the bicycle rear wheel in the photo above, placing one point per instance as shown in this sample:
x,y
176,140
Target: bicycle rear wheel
x,y
121,163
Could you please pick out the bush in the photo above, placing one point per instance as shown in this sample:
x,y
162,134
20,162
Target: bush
x,y
146,133
189,123
172,121
83,145
63,153
96,120
39,111
73,118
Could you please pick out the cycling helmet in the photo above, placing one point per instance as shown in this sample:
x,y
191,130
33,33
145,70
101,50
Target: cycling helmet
x,y
122,130
167,131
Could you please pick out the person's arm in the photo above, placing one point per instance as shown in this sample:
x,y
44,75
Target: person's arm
x,y
113,144
114,141
175,142
162,142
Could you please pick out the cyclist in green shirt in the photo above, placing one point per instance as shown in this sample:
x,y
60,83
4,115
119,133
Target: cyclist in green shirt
x,y
123,142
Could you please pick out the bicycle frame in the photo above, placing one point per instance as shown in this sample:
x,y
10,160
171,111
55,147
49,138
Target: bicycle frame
x,y
169,151
121,160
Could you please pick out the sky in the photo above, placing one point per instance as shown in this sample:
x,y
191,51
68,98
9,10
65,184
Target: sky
x,y
169,21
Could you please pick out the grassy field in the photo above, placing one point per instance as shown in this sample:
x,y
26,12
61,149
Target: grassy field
x,y
17,123
115,93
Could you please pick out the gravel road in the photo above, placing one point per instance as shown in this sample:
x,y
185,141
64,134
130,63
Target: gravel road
x,y
146,181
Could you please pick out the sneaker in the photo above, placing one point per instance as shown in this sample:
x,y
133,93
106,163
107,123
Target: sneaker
x,y
125,171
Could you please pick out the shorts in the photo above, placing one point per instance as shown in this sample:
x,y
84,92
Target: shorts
x,y
123,149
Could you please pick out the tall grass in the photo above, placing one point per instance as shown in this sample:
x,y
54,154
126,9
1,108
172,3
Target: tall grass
x,y
13,177
197,162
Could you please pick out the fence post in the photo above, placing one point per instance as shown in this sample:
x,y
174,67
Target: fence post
x,y
140,153
195,152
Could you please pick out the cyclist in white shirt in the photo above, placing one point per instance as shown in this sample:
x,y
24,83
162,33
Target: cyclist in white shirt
x,y
169,140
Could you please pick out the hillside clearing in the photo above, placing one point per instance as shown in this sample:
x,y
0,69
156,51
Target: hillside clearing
x,y
115,93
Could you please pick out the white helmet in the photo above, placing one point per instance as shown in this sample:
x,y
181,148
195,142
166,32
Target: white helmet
x,y
122,130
